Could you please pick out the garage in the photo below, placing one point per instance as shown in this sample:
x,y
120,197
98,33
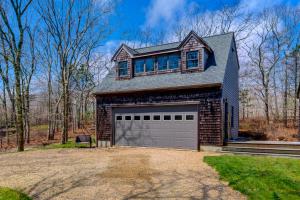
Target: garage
x,y
156,126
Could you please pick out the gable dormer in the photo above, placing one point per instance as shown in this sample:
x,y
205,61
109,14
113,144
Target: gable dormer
x,y
194,53
123,62
190,55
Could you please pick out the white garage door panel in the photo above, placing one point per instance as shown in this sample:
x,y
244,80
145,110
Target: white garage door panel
x,y
157,133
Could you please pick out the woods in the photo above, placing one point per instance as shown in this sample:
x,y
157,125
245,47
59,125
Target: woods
x,y
52,56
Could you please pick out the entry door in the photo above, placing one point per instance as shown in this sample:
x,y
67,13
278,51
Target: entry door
x,y
168,126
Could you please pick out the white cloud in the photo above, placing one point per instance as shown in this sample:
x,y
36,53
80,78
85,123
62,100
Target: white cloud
x,y
258,5
163,11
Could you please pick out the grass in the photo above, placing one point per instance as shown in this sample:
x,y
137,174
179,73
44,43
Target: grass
x,y
43,127
259,177
11,194
69,144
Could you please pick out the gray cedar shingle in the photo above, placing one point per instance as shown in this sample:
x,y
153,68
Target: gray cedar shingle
x,y
214,73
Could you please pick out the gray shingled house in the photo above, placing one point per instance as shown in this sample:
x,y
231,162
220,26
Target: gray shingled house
x,y
179,95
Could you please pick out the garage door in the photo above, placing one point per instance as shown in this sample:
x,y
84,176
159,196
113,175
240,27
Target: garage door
x,y
168,126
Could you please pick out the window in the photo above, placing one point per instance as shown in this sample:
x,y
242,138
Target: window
x,y
128,117
178,117
232,116
139,66
167,117
189,117
149,64
174,61
191,59
137,117
147,117
156,117
119,118
123,69
162,63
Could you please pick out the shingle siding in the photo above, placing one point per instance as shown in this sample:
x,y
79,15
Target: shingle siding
x,y
213,83
231,88
209,110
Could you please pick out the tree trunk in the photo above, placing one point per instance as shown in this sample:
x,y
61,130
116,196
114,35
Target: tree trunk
x,y
5,114
285,97
65,96
295,91
267,104
275,96
27,115
19,103
50,110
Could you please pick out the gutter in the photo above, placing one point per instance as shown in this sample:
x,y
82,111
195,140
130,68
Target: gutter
x,y
202,86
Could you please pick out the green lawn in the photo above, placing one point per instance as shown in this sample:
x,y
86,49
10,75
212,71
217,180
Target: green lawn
x,y
10,194
259,177
69,144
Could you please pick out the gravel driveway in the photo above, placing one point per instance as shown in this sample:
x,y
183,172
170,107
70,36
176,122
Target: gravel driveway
x,y
117,173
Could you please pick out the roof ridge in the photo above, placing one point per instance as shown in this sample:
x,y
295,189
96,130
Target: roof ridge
x,y
230,32
157,45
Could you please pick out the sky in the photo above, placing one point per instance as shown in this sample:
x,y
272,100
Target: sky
x,y
157,14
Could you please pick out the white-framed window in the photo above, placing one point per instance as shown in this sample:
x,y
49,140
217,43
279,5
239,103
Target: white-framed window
x,y
191,59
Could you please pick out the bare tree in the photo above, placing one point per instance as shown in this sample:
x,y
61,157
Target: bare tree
x,y
76,28
14,38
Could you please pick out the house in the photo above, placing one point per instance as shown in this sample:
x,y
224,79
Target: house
x,y
178,95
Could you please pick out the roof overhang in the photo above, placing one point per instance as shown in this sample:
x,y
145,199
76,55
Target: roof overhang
x,y
202,86
193,34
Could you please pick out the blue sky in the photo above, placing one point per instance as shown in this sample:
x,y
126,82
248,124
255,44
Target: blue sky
x,y
135,15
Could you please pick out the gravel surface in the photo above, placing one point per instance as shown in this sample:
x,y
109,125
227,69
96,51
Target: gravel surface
x,y
117,173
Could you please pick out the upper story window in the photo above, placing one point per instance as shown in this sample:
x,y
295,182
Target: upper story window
x,y
174,61
149,64
191,59
168,62
123,68
162,62
139,66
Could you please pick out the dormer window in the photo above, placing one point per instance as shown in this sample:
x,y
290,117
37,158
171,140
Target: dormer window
x,y
191,59
162,63
168,62
149,62
139,66
174,61
123,68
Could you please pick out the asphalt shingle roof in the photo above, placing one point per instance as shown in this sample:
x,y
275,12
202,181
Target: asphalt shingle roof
x,y
214,73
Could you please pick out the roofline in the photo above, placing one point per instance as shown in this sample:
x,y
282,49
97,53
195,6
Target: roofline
x,y
166,50
211,85
198,37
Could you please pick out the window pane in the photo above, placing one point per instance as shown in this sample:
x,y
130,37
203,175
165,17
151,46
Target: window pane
x,y
192,63
147,117
192,59
174,61
128,117
156,117
162,62
119,118
191,55
137,117
123,69
189,117
139,66
149,64
167,117
178,117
